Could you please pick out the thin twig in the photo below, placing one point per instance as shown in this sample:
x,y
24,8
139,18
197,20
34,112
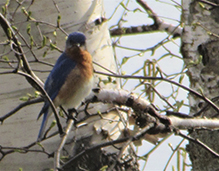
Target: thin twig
x,y
209,3
20,106
64,138
197,141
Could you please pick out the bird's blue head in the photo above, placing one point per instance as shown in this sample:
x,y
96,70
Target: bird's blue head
x,y
75,38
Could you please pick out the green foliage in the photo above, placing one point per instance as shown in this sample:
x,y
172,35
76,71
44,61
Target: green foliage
x,y
52,46
54,33
104,168
9,33
52,124
5,58
45,53
28,28
29,96
44,41
107,81
27,13
58,20
3,10
20,169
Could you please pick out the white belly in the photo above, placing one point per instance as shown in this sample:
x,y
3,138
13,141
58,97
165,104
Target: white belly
x,y
75,100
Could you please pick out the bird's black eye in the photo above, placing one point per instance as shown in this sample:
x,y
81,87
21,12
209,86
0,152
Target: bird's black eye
x,y
71,42
82,43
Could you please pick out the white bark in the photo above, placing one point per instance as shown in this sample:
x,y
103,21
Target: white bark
x,y
200,52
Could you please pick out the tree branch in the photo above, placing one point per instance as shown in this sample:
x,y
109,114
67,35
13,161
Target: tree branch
x,y
158,25
142,106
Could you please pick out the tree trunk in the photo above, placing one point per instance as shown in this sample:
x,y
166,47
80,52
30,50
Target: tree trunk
x,y
201,54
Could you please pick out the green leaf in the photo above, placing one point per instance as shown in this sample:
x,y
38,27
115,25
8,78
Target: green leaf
x,y
7,3
31,41
58,20
37,93
61,114
45,53
123,73
104,168
114,82
14,27
29,13
52,124
178,105
124,60
55,33
64,157
181,78
3,10
9,33
53,46
105,81
24,98
200,90
18,150
202,5
29,96
20,169
39,144
24,11
44,41
28,28
5,58
110,79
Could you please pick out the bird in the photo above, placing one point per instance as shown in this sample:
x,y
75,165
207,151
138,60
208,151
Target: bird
x,y
70,80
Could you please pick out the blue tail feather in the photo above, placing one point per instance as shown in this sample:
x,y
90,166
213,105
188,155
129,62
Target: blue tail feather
x,y
43,125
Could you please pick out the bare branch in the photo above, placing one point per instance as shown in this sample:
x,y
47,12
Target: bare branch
x,y
64,139
195,123
158,25
197,141
20,106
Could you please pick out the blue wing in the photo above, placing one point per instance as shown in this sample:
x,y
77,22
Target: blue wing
x,y
58,75
53,84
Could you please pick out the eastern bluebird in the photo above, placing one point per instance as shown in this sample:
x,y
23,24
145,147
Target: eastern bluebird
x,y
71,79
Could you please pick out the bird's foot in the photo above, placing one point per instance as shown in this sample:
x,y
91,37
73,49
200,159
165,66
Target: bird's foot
x,y
70,114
